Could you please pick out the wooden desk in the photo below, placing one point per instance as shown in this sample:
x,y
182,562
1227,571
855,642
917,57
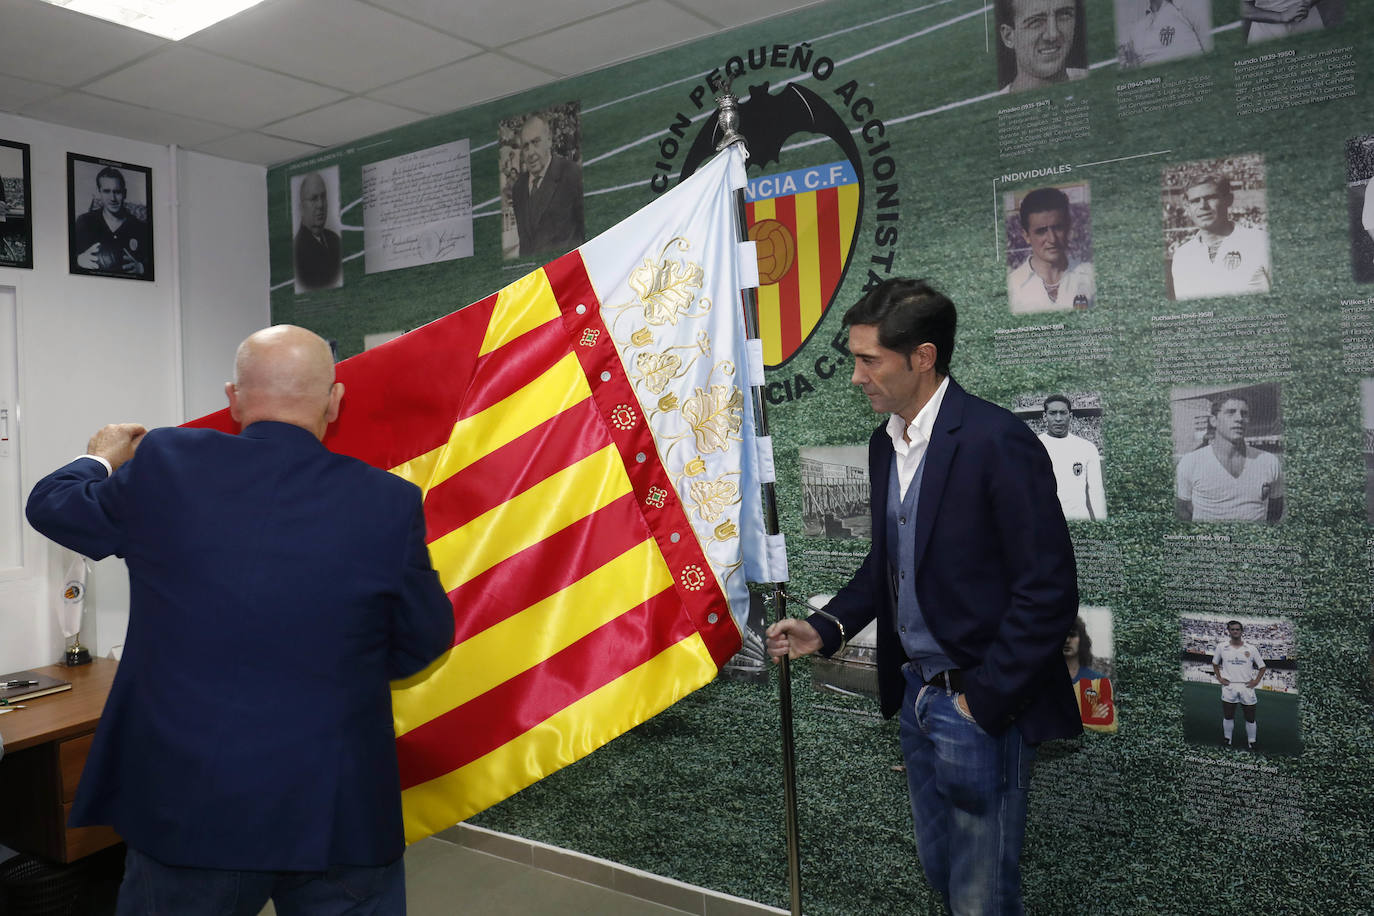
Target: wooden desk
x,y
45,751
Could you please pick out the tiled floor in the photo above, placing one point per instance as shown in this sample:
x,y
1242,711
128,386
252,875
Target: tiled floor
x,y
467,870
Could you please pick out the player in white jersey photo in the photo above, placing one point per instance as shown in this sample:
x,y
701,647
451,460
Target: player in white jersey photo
x,y
1154,31
1239,668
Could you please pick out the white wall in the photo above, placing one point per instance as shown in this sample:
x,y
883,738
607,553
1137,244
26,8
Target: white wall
x,y
95,350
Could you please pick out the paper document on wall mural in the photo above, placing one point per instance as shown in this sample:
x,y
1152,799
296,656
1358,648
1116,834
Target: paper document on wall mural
x,y
417,208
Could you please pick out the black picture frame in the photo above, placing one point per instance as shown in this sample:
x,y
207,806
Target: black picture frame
x,y
16,206
94,248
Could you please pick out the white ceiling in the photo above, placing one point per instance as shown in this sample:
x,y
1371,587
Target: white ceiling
x,y
289,77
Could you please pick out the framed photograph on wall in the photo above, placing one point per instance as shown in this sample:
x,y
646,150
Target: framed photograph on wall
x,y
16,229
111,228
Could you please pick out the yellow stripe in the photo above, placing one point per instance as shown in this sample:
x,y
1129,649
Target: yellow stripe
x,y
568,735
523,306
770,316
522,641
808,262
550,505
849,210
557,389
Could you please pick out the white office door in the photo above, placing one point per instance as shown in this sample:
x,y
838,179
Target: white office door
x,y
11,499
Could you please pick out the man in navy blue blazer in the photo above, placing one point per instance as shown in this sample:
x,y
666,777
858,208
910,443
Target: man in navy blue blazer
x,y
247,749
972,581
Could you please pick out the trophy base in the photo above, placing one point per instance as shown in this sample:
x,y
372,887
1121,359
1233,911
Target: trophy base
x,y
78,655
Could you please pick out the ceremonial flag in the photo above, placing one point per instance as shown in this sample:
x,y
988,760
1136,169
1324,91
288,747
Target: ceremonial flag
x,y
584,442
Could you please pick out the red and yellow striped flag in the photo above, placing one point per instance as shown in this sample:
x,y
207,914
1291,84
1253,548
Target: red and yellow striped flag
x,y
564,515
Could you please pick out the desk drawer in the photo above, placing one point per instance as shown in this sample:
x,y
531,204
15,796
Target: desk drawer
x,y
82,841
71,757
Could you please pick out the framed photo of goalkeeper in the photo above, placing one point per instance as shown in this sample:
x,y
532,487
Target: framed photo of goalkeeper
x,y
111,228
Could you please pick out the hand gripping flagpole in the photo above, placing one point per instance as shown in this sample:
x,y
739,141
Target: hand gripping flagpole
x,y
728,121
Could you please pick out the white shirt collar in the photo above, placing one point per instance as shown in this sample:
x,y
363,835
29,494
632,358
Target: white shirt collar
x,y
923,425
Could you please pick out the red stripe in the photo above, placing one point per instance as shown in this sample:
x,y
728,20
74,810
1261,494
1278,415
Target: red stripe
x,y
508,710
542,569
514,365
828,238
401,399
789,287
513,468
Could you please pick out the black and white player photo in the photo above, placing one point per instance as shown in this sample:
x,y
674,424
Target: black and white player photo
x,y
16,230
1040,43
1359,175
1069,425
541,182
834,481
1216,227
1049,249
1155,31
317,246
1228,446
111,228
1240,682
1264,20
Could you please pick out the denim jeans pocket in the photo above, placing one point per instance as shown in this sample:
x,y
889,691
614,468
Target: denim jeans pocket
x,y
967,717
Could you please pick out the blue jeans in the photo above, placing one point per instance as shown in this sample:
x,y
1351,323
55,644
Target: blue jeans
x,y
153,889
968,801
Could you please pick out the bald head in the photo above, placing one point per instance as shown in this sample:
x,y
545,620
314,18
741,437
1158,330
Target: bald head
x,y
285,373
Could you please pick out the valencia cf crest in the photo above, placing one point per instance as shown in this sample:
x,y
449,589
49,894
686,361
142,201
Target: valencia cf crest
x,y
803,215
1232,260
73,591
1078,469
1166,36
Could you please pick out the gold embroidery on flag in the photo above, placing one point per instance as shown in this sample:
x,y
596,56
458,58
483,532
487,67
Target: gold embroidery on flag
x,y
656,370
715,417
713,498
668,289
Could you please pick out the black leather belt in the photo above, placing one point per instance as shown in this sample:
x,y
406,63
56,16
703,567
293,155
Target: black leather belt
x,y
953,679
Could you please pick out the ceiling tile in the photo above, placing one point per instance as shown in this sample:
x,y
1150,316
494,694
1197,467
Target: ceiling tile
x,y
196,83
53,45
353,47
466,83
348,120
251,146
16,93
730,13
622,35
493,23
89,112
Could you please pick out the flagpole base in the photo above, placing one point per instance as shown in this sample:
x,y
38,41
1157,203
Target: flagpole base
x,y
77,655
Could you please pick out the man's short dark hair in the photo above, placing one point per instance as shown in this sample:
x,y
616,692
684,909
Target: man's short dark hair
x,y
908,313
1222,399
1221,181
1057,397
110,171
1234,623
1043,200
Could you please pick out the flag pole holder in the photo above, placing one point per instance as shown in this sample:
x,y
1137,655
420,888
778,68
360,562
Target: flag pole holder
x,y
728,121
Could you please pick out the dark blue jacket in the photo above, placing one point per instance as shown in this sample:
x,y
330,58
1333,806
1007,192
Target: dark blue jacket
x,y
995,571
274,590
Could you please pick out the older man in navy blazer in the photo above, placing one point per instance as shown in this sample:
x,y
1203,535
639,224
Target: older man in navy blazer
x,y
275,588
971,579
